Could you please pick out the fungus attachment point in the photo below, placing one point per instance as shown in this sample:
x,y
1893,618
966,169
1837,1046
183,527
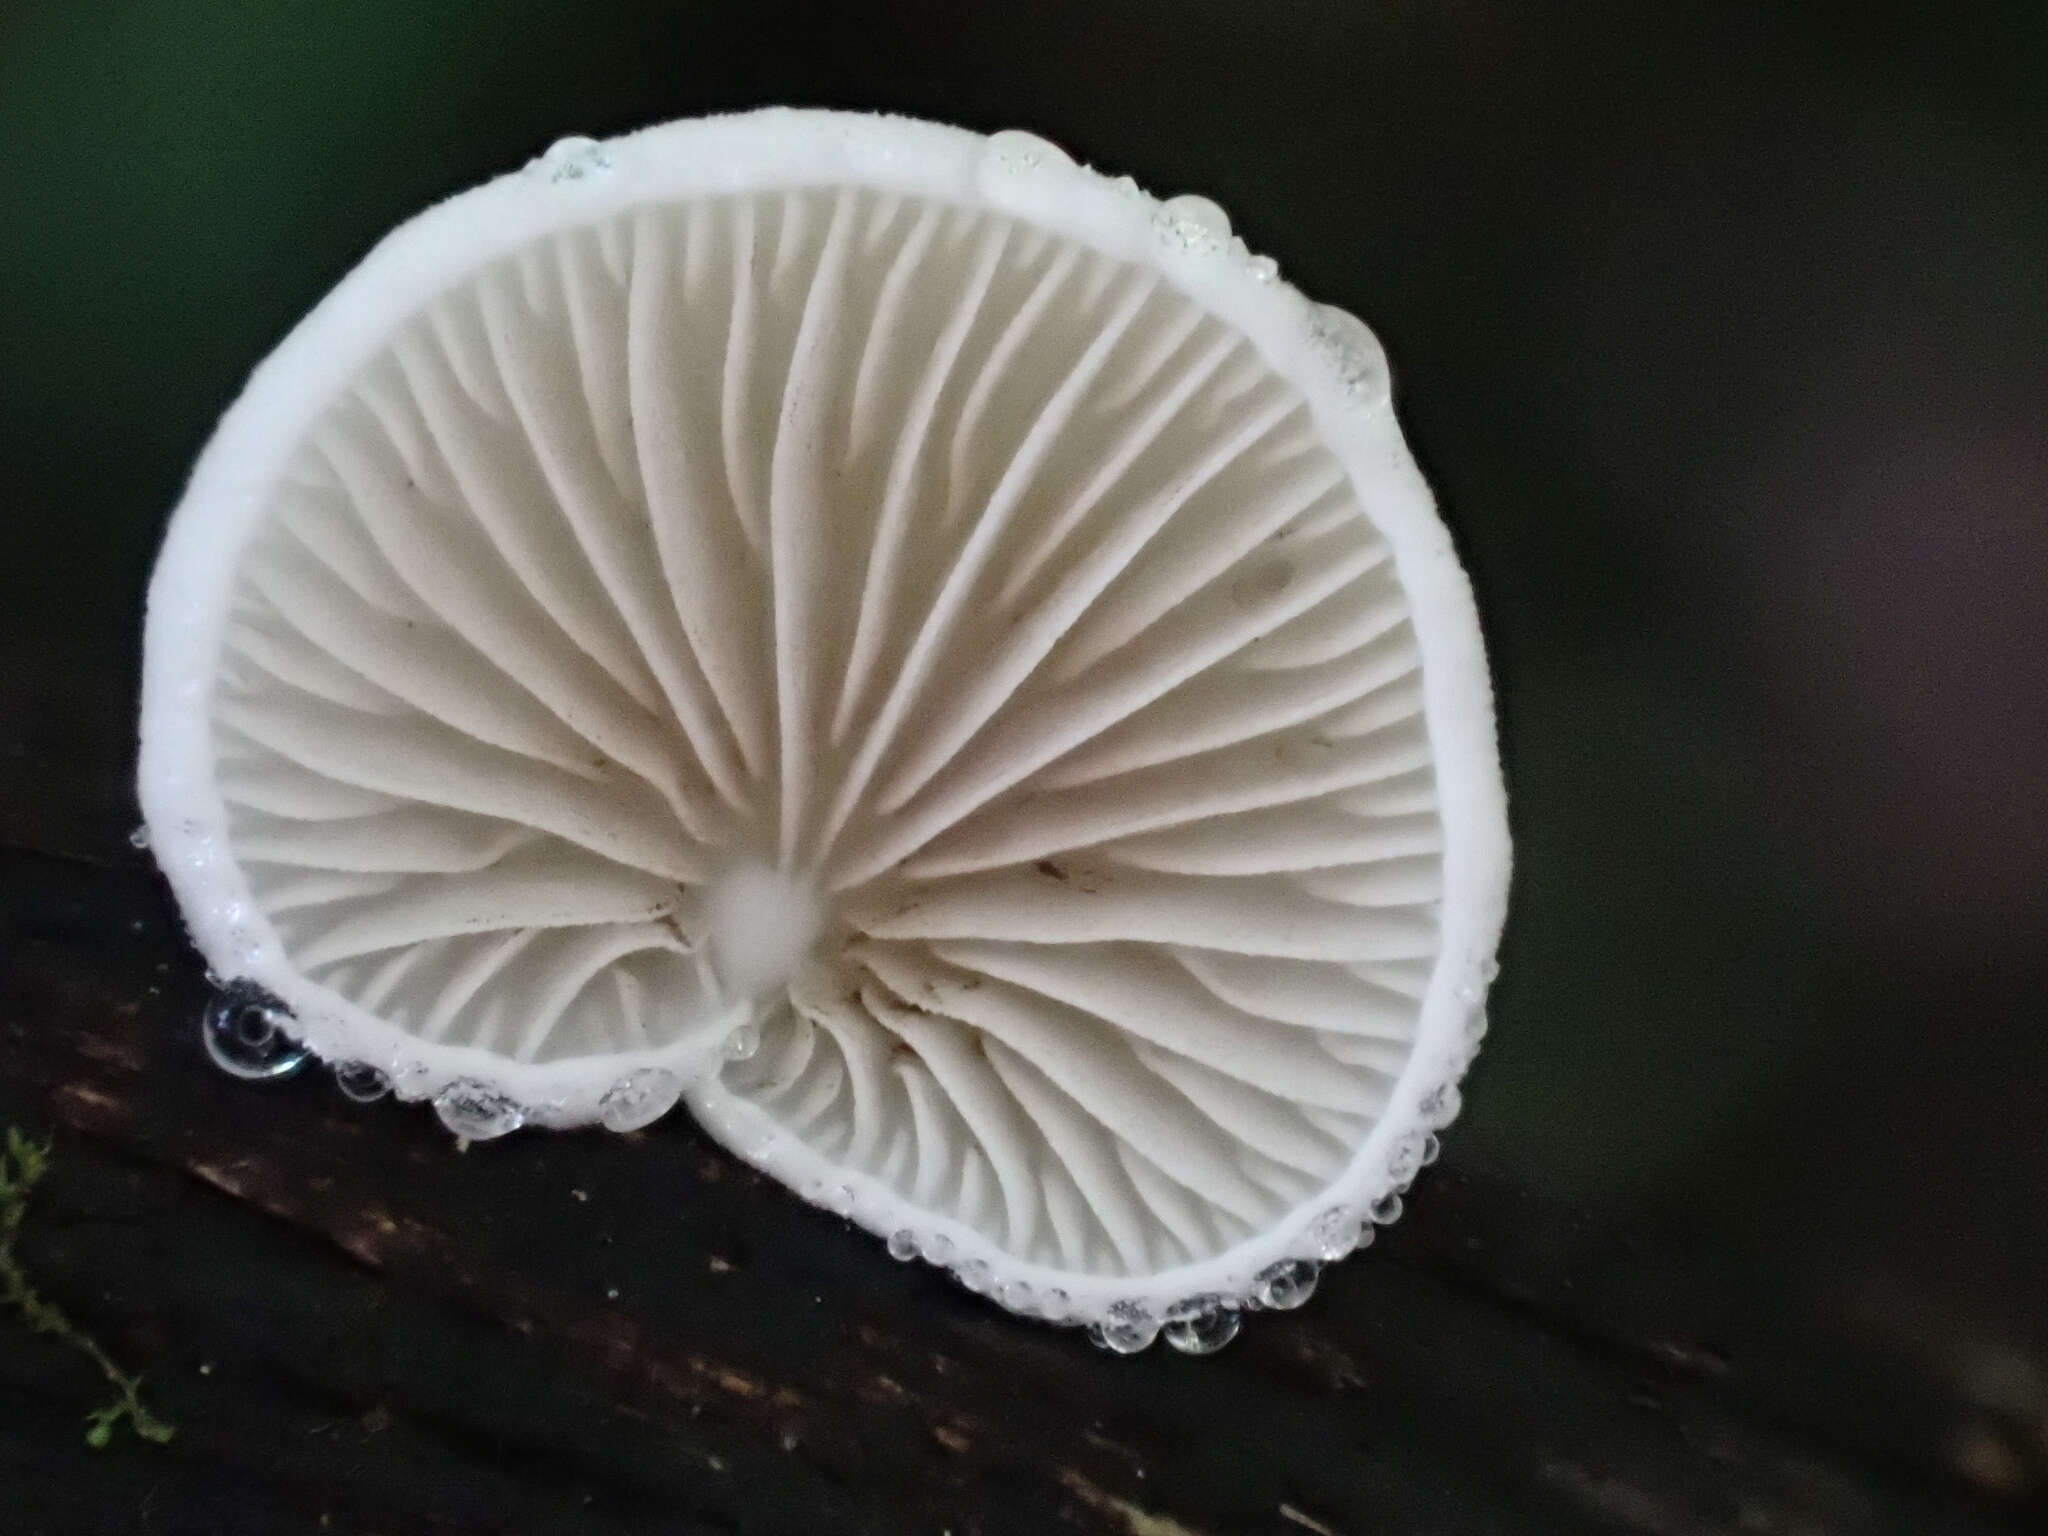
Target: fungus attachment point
x,y
926,658
760,925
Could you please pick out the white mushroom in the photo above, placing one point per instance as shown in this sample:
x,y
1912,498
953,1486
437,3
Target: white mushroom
x,y
942,663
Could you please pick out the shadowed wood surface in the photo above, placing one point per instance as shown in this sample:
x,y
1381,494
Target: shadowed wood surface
x,y
1722,342
349,1319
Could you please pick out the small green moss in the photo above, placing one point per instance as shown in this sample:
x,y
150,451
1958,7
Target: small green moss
x,y
22,1165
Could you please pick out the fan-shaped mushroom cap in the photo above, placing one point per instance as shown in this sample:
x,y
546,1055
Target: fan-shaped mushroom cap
x,y
937,659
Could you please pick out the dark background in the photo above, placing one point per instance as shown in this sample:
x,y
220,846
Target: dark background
x,y
1722,332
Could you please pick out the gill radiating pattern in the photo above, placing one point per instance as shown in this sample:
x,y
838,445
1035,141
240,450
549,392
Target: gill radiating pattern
x,y
985,582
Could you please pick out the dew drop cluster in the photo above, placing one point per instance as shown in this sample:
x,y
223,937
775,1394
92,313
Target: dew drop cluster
x,y
245,1031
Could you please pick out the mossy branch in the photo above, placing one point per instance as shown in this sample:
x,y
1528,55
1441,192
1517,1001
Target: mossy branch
x,y
22,1165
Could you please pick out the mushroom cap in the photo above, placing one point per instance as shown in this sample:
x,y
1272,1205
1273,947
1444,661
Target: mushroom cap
x,y
927,655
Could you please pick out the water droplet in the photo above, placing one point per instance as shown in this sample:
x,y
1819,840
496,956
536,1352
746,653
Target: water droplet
x,y
1354,350
476,1111
1386,1210
639,1098
243,1033
555,1115
903,1245
1016,150
1432,1149
1286,1285
572,159
1129,1328
974,1274
839,1200
360,1081
1194,223
1018,1297
1264,269
937,1248
1054,1305
139,838
1201,1325
1334,1233
742,1043
1440,1106
1405,1158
